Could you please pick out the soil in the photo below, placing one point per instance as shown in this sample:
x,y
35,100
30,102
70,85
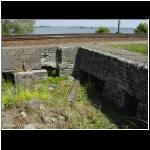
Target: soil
x,y
37,117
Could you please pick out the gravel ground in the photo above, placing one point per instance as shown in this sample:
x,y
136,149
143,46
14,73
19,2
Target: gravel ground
x,y
102,47
65,41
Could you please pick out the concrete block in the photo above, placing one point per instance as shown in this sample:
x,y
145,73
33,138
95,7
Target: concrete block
x,y
29,76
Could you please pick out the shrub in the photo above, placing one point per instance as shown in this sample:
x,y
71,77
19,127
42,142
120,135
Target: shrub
x,y
103,30
17,26
141,28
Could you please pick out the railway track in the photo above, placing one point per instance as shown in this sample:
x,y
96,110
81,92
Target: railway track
x,y
67,36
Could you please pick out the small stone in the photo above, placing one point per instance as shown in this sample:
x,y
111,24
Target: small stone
x,y
71,78
42,108
20,120
53,85
29,126
44,119
51,88
33,105
54,120
61,119
23,114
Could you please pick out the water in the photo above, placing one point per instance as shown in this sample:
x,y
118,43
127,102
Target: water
x,y
67,30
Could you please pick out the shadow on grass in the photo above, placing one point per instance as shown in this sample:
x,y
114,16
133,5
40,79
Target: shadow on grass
x,y
94,90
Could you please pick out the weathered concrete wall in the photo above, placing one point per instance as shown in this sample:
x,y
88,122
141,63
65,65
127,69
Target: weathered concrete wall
x,y
124,81
67,60
34,57
13,58
48,56
28,76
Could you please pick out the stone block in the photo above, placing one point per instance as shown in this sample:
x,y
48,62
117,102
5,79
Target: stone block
x,y
29,76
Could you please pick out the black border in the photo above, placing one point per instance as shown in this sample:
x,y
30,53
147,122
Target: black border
x,y
74,10
72,139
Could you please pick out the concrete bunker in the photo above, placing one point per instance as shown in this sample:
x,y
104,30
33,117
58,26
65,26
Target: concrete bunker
x,y
103,72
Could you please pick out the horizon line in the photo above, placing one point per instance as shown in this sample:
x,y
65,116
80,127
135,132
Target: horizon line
x,y
83,26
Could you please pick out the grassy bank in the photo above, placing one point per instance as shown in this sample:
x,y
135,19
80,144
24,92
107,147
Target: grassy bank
x,y
90,110
134,47
54,92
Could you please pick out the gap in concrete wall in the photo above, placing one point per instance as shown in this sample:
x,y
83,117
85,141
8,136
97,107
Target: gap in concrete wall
x,y
8,76
94,87
52,72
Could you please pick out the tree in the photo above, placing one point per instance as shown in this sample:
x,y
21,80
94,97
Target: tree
x,y
6,26
141,28
17,26
103,30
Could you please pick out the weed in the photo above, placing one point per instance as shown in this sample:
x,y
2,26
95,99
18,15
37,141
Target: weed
x,y
134,47
82,114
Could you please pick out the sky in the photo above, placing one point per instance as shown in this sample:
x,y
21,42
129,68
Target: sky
x,y
132,23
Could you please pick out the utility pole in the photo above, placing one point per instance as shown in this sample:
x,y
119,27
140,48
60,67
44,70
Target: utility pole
x,y
118,32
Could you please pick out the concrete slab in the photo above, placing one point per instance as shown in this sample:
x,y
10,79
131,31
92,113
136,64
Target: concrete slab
x,y
29,76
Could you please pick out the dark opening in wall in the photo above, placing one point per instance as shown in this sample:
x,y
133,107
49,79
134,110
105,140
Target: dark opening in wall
x,y
130,105
93,82
94,87
8,76
52,72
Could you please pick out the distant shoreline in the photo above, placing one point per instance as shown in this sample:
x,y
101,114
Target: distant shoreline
x,y
75,29
79,27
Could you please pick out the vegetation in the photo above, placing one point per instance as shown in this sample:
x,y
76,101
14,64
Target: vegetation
x,y
103,30
134,47
85,112
17,26
142,28
82,114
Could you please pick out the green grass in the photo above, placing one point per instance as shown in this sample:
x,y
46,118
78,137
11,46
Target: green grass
x,y
12,95
134,47
82,114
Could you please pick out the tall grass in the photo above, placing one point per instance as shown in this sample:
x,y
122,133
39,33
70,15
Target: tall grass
x,y
82,114
134,47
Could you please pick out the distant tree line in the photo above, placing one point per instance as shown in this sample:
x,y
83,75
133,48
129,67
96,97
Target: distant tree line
x,y
103,30
17,26
26,26
142,28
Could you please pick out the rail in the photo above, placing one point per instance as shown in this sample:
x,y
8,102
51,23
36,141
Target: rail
x,y
65,36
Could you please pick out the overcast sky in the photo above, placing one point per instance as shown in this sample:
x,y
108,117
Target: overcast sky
x,y
91,23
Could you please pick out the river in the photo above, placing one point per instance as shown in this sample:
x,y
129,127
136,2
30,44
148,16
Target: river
x,y
67,30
